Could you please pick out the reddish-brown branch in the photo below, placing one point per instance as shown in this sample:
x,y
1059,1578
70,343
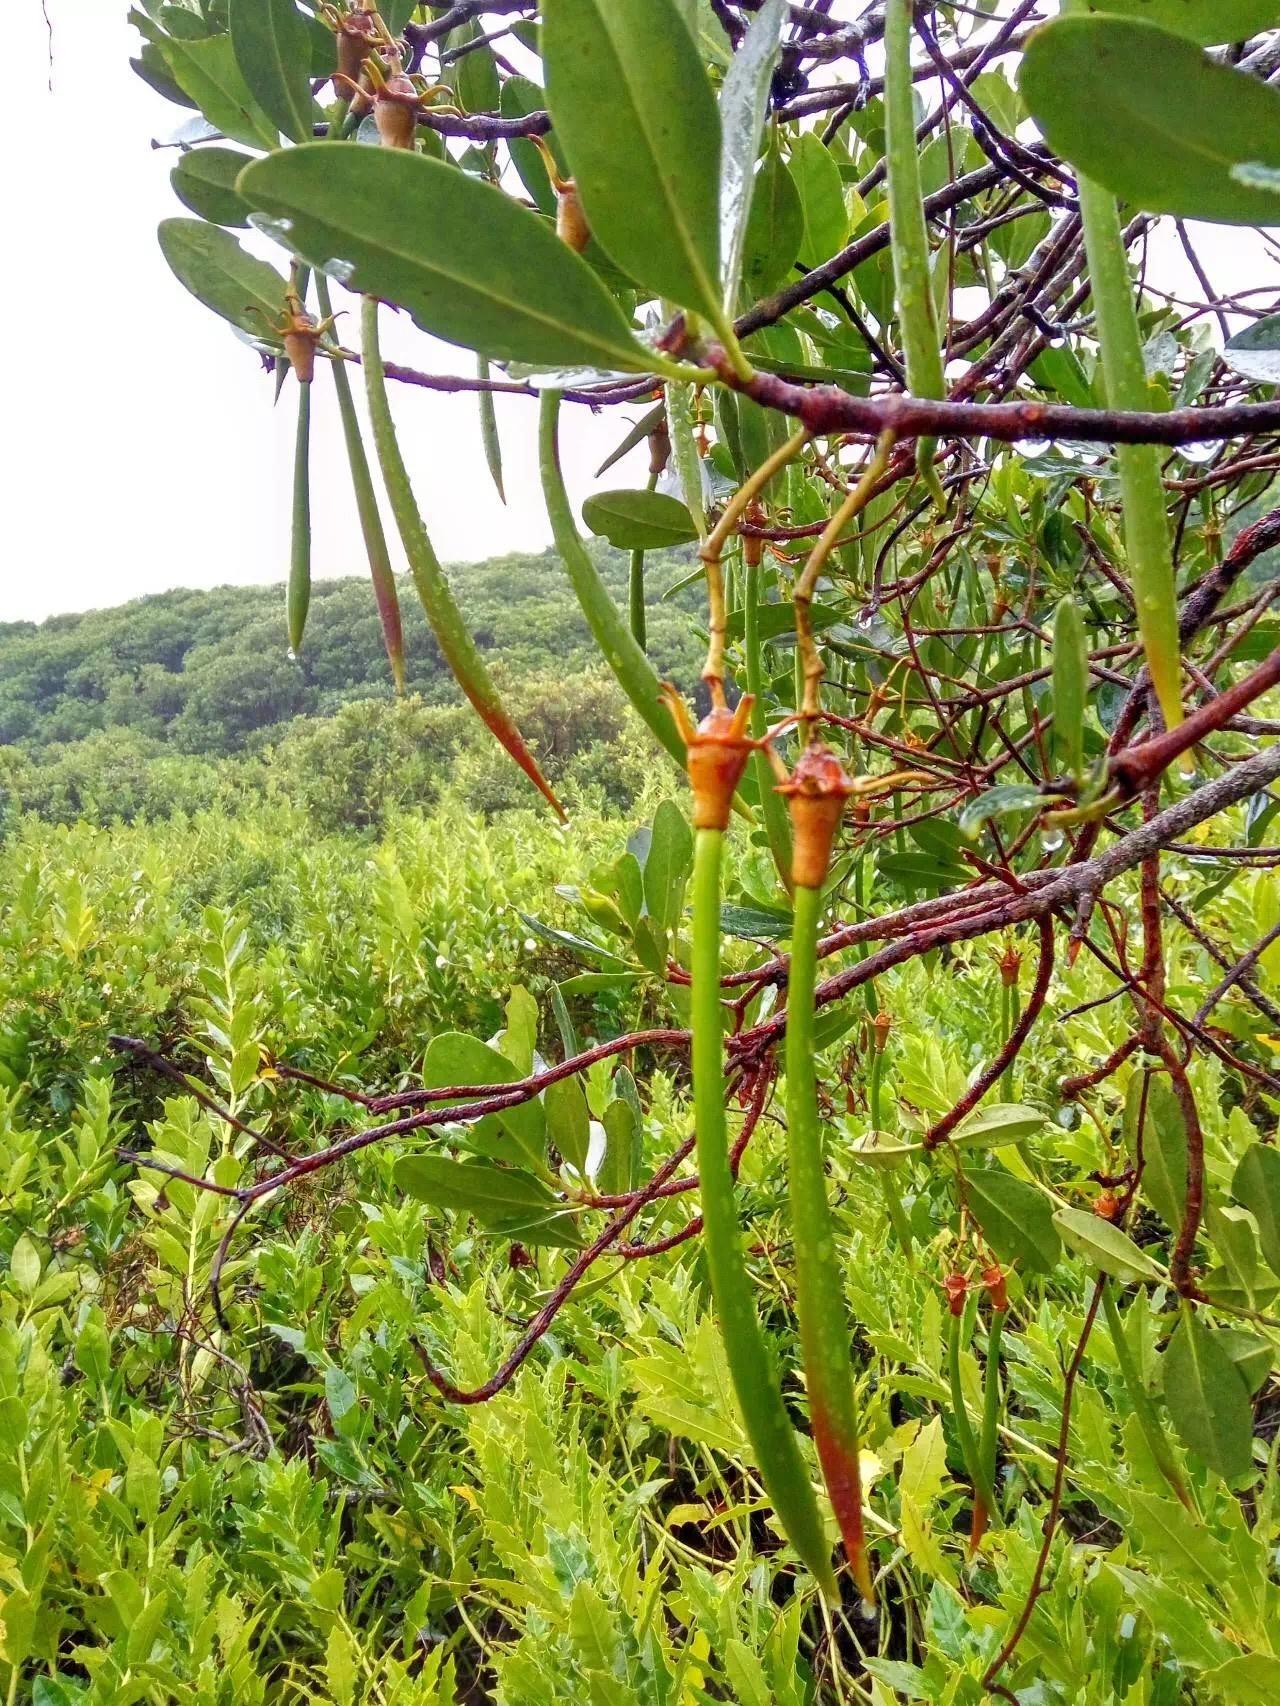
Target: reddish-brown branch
x,y
573,1275
1180,1270
825,409
1137,766
1055,1500
1070,1088
939,1132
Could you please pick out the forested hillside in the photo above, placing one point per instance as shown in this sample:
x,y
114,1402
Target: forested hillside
x,y
210,671
190,699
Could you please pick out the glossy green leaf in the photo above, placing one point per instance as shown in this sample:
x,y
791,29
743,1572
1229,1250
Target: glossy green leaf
x,y
520,97
1015,1218
456,1057
568,1123
205,181
744,100
817,181
632,104
634,436
153,68
207,71
474,1187
667,865
1164,1154
475,75
995,802
1252,1355
397,13
601,982
1256,1186
775,229
503,1199
225,277
755,923
1209,22
272,48
622,1133
468,263
1105,1246
1255,352
1207,1398
999,1122
639,520
1150,117
520,1038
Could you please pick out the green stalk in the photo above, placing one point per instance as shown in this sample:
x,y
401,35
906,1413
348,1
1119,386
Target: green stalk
x,y
1070,686
457,647
1143,1409
635,600
916,315
974,1468
754,1380
617,644
777,823
299,595
991,1403
1146,524
1012,1013
820,1305
375,540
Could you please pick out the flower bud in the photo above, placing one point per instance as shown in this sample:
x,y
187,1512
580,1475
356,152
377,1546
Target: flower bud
x,y
395,112
659,447
571,220
956,1287
997,1289
300,347
358,37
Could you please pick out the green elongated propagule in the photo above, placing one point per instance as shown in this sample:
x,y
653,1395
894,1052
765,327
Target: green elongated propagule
x,y
489,430
1070,686
983,1492
634,673
375,539
1146,525
910,235
755,1380
457,647
298,600
777,826
1124,374
816,795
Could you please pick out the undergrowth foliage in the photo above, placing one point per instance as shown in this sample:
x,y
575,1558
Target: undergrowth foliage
x,y
816,1242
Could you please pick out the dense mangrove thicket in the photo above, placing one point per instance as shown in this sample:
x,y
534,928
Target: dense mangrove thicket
x,y
775,1199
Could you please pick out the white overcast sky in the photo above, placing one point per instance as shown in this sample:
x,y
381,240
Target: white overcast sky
x,y
144,451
